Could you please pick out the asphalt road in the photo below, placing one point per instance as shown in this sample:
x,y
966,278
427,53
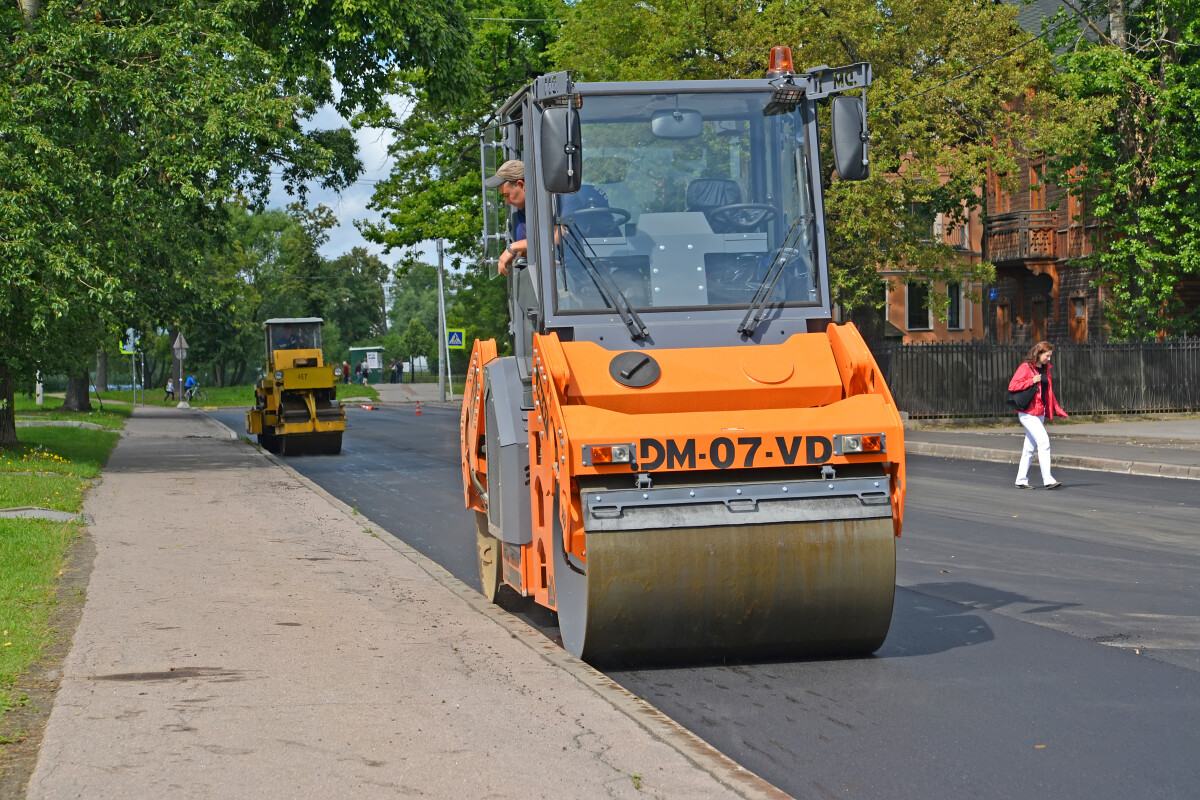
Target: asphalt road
x,y
1044,644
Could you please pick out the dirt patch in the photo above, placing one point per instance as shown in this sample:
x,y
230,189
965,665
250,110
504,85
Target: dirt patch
x,y
22,728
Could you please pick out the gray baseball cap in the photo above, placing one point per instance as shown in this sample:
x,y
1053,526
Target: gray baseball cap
x,y
509,171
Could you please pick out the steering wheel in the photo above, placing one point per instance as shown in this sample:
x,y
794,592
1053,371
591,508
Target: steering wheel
x,y
584,216
742,217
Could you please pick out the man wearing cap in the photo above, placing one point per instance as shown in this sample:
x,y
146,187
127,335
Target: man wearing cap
x,y
510,178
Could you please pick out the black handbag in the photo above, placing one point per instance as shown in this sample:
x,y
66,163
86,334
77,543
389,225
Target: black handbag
x,y
1021,400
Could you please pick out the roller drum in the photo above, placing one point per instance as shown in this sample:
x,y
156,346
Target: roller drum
x,y
775,590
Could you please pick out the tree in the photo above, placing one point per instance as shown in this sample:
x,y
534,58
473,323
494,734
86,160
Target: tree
x,y
417,341
128,127
1136,165
945,72
434,190
350,294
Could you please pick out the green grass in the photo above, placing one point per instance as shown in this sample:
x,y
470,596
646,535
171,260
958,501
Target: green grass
x,y
76,452
56,492
49,468
32,553
224,396
112,417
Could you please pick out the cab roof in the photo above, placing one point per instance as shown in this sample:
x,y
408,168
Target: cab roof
x,y
292,320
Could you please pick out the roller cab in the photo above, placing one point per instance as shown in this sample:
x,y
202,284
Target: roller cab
x,y
685,457
296,410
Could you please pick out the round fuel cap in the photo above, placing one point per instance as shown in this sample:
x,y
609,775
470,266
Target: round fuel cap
x,y
634,369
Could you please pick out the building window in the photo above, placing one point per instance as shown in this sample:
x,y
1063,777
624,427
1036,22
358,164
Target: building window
x,y
1037,322
954,308
1037,188
1001,200
1075,210
918,316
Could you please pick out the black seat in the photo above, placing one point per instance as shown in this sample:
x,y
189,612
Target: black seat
x,y
591,226
705,194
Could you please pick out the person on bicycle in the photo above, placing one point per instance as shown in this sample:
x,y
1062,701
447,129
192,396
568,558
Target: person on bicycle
x,y
189,387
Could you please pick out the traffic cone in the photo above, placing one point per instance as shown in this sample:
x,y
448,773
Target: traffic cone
x,y
367,407
418,408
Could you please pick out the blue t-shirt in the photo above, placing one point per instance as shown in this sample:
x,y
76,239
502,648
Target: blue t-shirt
x,y
519,231
190,382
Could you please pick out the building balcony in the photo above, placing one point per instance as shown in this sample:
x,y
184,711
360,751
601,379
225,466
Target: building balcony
x,y
1021,236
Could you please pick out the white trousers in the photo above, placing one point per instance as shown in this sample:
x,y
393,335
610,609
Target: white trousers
x,y
1036,438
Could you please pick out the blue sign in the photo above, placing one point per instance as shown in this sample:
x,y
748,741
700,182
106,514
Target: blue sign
x,y
456,338
993,294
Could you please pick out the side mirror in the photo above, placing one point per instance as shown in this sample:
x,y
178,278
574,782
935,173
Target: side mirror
x,y
562,154
682,123
850,138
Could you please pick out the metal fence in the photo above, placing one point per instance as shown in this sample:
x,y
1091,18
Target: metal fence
x,y
971,380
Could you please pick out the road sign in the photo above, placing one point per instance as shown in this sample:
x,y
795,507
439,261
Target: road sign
x,y
456,338
129,343
180,347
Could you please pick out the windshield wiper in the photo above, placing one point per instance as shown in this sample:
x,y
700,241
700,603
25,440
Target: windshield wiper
x,y
758,305
601,276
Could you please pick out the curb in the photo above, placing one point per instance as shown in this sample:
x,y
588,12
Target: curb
x,y
696,750
1066,462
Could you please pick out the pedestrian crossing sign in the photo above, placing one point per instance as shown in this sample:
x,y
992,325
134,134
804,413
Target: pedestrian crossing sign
x,y
456,338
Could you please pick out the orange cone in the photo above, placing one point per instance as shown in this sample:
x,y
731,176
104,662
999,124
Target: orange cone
x,y
368,407
418,408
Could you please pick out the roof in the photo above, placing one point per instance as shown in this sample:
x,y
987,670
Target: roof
x,y
292,320
1031,14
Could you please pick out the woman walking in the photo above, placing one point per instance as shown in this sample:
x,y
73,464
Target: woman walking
x,y
1035,371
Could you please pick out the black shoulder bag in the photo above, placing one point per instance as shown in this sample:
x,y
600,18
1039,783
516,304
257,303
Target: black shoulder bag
x,y
1021,400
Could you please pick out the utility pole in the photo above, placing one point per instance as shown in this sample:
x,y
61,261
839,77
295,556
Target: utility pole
x,y
442,352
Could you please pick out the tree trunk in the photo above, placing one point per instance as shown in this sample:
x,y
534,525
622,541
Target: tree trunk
x,y
31,8
78,397
8,417
1116,22
102,371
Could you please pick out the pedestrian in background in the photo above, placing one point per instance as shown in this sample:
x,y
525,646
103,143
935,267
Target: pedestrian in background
x,y
1035,370
170,390
346,372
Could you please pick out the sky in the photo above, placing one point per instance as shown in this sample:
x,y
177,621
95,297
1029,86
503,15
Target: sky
x,y
351,203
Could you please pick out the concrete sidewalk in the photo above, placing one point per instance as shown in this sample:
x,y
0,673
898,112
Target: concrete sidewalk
x,y
1166,447
247,636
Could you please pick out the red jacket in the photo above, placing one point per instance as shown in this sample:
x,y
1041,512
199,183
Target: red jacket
x,y
1023,378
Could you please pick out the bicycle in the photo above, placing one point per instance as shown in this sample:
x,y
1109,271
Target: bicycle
x,y
195,393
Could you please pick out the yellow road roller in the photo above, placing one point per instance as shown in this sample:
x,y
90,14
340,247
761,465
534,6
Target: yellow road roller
x,y
296,410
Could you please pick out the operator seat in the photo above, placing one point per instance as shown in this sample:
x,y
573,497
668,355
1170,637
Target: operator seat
x,y
591,226
705,194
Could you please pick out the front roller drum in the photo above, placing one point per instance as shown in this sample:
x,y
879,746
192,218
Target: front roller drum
x,y
794,589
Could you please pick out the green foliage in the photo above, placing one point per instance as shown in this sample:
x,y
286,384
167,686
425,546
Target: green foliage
x,y
1137,163
129,127
417,341
933,135
414,297
350,295
433,191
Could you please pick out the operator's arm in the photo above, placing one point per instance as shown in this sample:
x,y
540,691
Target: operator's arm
x,y
517,249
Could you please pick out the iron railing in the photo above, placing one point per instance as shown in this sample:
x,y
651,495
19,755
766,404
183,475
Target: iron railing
x,y
971,379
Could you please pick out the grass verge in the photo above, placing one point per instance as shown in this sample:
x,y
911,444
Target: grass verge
x,y
50,468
